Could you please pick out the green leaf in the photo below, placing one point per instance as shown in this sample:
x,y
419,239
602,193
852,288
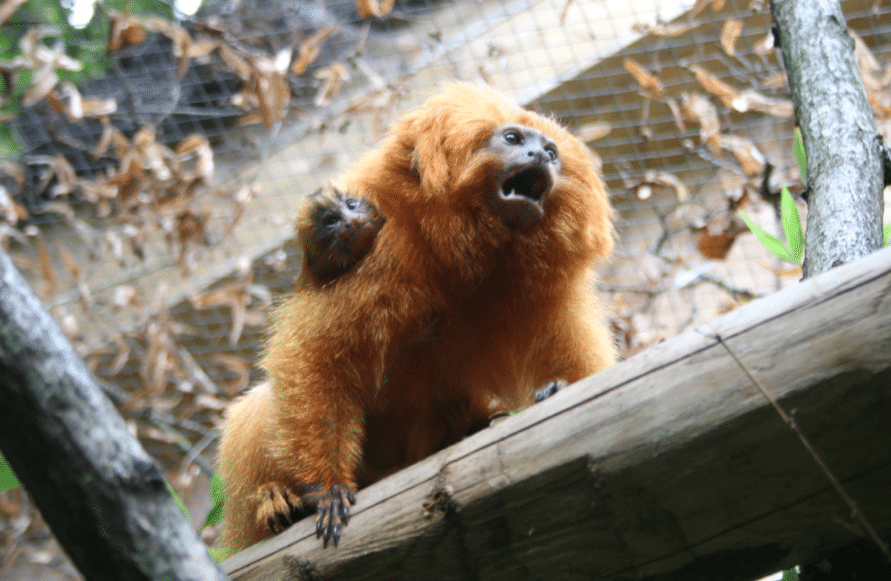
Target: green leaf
x,y
769,241
800,156
216,495
9,149
7,476
792,225
886,234
179,502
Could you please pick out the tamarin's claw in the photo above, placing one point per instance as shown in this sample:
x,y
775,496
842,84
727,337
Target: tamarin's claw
x,y
279,507
549,390
334,513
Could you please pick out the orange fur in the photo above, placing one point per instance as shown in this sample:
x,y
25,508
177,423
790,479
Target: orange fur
x,y
452,316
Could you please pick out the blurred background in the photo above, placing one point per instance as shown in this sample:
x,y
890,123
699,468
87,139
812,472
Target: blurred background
x,y
156,156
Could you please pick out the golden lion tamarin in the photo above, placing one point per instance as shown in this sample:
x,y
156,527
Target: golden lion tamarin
x,y
475,293
335,231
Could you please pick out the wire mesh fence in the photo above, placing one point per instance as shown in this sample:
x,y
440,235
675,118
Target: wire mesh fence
x,y
154,206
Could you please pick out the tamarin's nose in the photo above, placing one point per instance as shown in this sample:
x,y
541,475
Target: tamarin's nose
x,y
537,153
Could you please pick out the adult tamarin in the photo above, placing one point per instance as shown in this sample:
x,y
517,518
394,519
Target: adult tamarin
x,y
335,230
475,293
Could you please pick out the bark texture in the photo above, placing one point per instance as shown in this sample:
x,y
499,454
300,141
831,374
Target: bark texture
x,y
840,138
103,496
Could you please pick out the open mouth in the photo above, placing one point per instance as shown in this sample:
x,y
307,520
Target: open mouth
x,y
532,184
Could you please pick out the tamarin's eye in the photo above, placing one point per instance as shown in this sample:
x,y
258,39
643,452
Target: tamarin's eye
x,y
513,138
552,152
352,204
330,220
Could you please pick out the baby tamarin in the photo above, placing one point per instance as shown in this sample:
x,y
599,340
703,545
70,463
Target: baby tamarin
x,y
335,230
494,216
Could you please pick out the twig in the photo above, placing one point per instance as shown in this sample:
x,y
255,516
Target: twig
x,y
793,425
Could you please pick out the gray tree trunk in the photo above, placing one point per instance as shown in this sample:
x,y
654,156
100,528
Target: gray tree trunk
x,y
103,496
840,139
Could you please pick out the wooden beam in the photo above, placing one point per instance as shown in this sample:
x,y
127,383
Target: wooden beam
x,y
670,465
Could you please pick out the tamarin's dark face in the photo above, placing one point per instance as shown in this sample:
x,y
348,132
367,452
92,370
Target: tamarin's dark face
x,y
530,163
344,228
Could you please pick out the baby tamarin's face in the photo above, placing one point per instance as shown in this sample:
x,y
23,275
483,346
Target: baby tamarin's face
x,y
338,231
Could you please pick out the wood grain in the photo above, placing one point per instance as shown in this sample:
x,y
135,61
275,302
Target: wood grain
x,y
670,465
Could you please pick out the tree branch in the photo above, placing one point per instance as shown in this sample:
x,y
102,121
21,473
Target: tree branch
x,y
102,495
844,166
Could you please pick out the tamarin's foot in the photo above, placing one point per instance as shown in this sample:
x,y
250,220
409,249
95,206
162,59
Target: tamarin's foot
x,y
279,507
334,512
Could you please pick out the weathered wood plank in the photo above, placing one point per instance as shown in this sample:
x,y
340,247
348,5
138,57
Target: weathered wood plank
x,y
670,465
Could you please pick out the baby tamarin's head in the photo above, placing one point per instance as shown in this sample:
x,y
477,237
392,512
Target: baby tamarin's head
x,y
336,230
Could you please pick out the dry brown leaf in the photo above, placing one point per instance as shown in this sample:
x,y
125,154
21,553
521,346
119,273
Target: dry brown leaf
x,y
115,245
866,60
74,268
191,232
47,270
124,30
85,296
658,180
236,63
795,271
121,143
880,103
152,155
376,8
332,78
157,360
122,355
593,131
240,202
225,295
239,366
651,85
747,153
137,238
66,178
730,32
700,109
664,178
11,211
777,80
200,49
715,86
765,46
44,80
310,49
99,107
755,101
104,139
195,147
274,93
564,12
125,295
210,402
676,114
8,8
700,5
13,169
716,240
664,30
182,41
